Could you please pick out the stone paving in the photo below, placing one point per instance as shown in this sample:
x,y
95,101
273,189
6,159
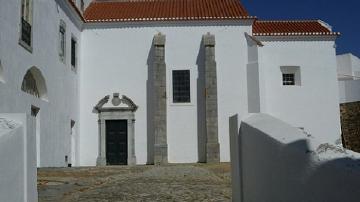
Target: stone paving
x,y
175,182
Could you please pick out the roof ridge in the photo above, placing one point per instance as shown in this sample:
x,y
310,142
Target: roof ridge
x,y
300,20
134,1
126,1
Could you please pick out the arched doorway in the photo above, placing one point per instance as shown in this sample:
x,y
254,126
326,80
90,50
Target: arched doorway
x,y
34,84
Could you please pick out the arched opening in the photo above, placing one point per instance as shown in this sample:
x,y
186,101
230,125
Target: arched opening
x,y
34,83
1,73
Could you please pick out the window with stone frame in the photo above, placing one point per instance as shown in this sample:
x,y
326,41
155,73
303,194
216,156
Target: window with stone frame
x,y
181,86
26,23
62,41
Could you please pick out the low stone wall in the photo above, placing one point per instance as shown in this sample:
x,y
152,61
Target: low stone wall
x,y
350,125
277,162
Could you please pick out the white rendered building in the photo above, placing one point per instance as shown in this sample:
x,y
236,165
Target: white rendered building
x,y
348,67
136,82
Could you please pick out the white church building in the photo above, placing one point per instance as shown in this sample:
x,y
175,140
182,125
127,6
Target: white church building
x,y
124,82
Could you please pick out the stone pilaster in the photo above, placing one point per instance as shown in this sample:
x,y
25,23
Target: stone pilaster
x,y
211,104
159,68
101,159
131,142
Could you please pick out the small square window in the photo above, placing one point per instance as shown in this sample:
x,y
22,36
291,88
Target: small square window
x,y
291,75
181,86
288,79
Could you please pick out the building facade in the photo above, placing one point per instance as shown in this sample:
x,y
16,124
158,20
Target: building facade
x,y
349,88
152,82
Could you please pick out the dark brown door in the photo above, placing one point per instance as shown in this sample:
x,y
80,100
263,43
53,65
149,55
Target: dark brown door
x,y
116,142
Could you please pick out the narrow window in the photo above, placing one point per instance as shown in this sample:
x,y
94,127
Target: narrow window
x,y
62,41
1,73
26,21
73,53
181,86
291,75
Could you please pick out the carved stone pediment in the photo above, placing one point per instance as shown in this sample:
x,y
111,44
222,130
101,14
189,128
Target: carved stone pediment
x,y
117,104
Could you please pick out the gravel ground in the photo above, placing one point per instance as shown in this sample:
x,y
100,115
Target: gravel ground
x,y
180,182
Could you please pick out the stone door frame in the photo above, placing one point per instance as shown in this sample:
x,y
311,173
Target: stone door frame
x,y
116,113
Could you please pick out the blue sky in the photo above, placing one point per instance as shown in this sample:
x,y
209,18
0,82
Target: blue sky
x,y
342,15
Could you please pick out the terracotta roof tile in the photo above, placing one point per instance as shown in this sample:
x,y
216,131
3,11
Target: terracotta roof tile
x,y
291,28
164,10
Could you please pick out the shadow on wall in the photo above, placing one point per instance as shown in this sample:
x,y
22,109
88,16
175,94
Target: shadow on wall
x,y
150,103
279,163
201,116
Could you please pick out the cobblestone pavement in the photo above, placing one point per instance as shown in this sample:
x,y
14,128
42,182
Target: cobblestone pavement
x,y
178,182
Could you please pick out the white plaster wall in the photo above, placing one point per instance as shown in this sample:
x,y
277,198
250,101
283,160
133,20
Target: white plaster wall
x,y
344,65
356,66
11,172
314,105
115,60
61,81
281,163
349,91
18,157
348,65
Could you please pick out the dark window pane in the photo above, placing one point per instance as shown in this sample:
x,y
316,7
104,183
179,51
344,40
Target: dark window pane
x,y
73,52
25,32
288,79
181,86
62,41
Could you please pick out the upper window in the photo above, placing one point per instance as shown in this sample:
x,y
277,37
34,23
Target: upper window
x,y
291,76
73,53
26,22
181,86
62,41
